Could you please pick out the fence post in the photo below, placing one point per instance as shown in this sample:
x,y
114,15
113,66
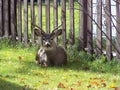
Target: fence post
x,y
6,18
63,20
40,18
99,30
1,21
118,29
25,23
13,20
82,25
55,12
47,15
32,21
108,30
19,20
89,27
72,37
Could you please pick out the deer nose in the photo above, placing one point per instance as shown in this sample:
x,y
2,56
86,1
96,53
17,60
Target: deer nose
x,y
47,44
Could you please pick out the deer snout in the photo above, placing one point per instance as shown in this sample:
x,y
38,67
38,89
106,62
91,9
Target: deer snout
x,y
47,44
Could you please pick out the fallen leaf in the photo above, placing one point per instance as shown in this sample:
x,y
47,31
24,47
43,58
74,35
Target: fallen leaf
x,y
114,80
103,84
112,86
20,57
89,86
45,83
79,83
23,80
102,81
94,83
71,89
61,85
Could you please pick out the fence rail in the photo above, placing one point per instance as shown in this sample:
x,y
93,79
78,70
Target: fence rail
x,y
12,24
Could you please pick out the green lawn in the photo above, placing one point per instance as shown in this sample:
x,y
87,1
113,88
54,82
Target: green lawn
x,y
19,71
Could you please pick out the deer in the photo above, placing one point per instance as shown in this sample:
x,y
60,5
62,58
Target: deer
x,y
49,53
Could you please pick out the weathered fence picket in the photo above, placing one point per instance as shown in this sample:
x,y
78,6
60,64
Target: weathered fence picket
x,y
13,20
1,24
19,4
89,27
72,32
32,22
25,23
108,30
82,25
55,12
118,29
63,20
99,29
6,18
40,18
47,3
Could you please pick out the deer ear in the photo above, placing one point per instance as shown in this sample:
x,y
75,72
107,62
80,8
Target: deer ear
x,y
57,32
38,32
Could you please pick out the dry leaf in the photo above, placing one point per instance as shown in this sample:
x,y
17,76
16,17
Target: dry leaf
x,y
94,83
61,85
89,86
45,83
20,57
104,85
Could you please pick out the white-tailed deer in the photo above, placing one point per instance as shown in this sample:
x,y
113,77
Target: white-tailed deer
x,y
50,54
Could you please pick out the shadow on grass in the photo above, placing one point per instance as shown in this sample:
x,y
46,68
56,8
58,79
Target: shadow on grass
x,y
6,85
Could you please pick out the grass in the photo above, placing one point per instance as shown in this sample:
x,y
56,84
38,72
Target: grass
x,y
19,71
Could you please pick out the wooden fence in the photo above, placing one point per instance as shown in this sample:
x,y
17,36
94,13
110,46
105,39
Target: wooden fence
x,y
11,23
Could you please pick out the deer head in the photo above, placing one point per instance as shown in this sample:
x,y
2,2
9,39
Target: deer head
x,y
48,39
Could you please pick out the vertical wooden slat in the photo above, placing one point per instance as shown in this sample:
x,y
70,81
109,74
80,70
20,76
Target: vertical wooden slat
x,y
19,20
15,10
85,15
40,18
47,16
25,23
63,19
6,17
82,25
108,30
99,30
55,12
89,27
118,29
9,17
72,37
32,21
1,21
13,22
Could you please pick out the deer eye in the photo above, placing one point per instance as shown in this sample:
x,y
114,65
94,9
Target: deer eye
x,y
51,38
43,38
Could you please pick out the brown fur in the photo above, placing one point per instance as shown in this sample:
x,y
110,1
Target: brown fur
x,y
51,54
